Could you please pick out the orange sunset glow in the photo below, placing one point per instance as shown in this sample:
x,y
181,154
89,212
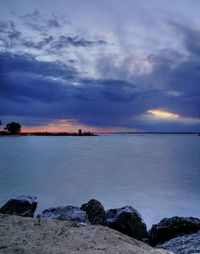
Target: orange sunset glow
x,y
65,125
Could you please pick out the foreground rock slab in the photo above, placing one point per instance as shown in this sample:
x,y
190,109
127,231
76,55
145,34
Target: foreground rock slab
x,y
22,206
170,228
26,235
127,220
183,244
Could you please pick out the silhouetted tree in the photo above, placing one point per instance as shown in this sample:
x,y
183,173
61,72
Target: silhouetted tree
x,y
13,128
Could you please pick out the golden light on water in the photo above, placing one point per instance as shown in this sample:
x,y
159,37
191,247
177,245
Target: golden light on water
x,y
162,114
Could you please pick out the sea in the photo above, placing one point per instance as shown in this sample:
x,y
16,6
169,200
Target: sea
x,y
157,174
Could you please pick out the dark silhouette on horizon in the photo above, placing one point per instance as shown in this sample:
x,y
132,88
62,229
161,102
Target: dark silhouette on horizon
x,y
13,128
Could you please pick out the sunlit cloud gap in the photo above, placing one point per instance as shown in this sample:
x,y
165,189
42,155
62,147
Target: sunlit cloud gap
x,y
162,114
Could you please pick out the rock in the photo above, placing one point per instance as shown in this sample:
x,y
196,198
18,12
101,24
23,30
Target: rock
x,y
183,244
66,213
128,221
95,212
23,206
20,235
169,228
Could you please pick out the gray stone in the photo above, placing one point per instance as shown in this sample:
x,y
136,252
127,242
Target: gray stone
x,y
170,228
188,244
71,213
95,212
128,221
22,206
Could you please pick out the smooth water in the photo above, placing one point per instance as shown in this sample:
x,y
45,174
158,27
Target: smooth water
x,y
159,175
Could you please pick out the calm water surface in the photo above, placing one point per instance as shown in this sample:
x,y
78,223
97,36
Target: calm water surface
x,y
159,175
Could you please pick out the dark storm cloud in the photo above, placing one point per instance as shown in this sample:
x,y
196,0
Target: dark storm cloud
x,y
55,44
55,89
66,41
41,22
32,88
174,81
37,45
191,38
176,73
10,63
37,21
9,35
6,26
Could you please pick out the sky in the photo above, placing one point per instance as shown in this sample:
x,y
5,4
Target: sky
x,y
125,65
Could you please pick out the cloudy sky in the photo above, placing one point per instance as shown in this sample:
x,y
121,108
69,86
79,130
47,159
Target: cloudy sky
x,y
100,65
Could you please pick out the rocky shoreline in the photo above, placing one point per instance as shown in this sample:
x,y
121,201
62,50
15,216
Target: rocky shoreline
x,y
177,234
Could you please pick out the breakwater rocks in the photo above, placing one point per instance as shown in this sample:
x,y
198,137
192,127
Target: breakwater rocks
x,y
126,220
22,206
66,213
187,244
170,228
95,212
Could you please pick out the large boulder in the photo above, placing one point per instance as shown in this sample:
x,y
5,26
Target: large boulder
x,y
128,221
95,212
186,244
22,206
71,213
169,228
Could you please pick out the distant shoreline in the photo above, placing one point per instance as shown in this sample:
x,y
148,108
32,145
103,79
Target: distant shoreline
x,y
159,132
4,133
48,134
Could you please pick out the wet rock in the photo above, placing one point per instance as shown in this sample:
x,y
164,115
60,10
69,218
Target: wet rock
x,y
169,228
183,244
128,221
95,212
71,213
22,206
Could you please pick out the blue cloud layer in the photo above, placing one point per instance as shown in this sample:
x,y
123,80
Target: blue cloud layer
x,y
116,97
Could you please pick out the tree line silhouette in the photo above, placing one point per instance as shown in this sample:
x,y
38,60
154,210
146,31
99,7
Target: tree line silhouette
x,y
11,128
14,128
